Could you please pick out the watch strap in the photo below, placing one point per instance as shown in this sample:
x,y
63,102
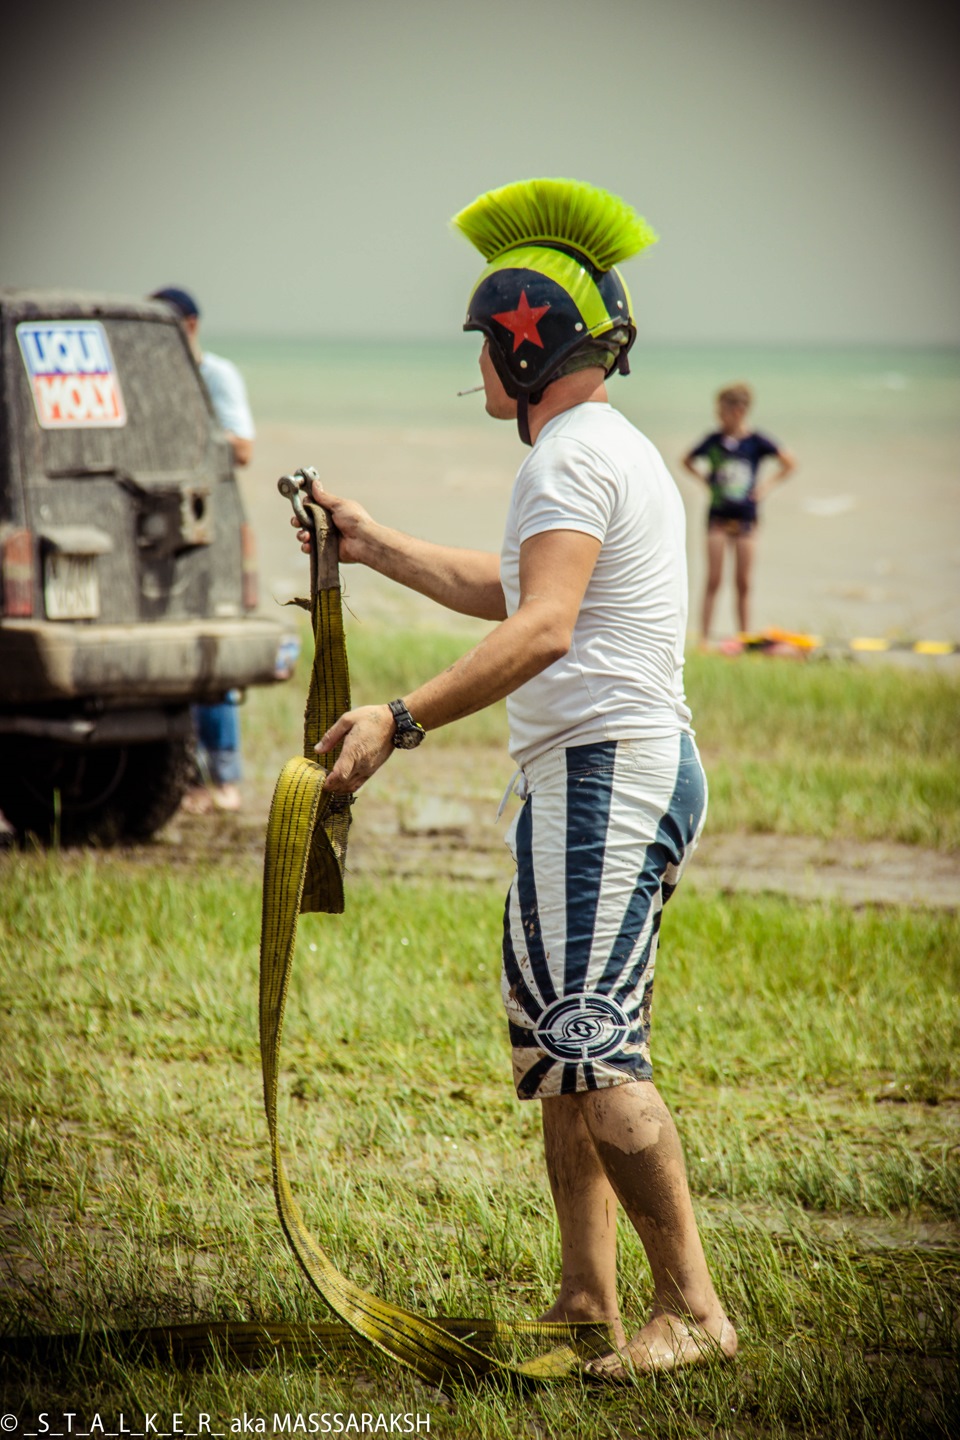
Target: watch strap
x,y
408,733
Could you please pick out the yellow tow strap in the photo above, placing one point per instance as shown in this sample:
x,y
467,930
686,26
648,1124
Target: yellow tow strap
x,y
303,871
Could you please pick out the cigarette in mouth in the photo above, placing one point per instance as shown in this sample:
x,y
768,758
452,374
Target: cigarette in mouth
x,y
472,391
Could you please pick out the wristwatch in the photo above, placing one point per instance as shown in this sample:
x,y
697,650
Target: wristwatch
x,y
408,734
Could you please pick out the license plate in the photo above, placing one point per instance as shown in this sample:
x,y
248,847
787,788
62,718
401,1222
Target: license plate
x,y
71,589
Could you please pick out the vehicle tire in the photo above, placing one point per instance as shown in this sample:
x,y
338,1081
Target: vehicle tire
x,y
157,779
92,795
63,794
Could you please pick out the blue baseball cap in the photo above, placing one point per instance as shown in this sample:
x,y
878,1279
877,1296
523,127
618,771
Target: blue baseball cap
x,y
181,300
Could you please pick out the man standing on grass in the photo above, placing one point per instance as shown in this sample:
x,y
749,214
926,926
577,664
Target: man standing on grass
x,y
590,593
218,725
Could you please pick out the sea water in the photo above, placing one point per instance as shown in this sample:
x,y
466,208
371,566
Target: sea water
x,y
863,540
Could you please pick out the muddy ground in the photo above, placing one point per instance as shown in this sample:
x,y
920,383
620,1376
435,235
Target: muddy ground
x,y
433,816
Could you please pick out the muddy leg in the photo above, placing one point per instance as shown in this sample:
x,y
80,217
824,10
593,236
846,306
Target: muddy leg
x,y
586,1209
638,1146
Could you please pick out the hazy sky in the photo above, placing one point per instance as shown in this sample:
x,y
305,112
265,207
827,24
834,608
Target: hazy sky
x,y
296,164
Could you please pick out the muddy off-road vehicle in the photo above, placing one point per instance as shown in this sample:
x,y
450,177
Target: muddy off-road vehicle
x,y
126,566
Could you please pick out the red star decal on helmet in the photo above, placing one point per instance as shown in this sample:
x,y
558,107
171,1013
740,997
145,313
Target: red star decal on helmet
x,y
522,322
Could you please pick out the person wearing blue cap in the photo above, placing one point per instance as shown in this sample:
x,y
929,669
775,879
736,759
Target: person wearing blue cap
x,y
217,726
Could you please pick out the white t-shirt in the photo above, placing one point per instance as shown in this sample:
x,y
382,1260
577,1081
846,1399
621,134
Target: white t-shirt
x,y
592,471
228,395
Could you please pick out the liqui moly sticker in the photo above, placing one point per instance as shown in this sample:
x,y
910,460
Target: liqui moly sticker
x,y
72,374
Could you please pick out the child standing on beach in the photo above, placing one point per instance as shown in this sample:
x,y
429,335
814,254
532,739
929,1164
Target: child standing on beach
x,y
733,456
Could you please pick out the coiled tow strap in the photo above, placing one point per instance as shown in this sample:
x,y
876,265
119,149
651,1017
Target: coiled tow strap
x,y
303,871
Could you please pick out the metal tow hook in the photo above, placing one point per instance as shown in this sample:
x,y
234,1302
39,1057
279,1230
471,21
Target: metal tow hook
x,y
294,487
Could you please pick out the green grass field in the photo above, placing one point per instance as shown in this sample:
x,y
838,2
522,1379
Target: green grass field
x,y
833,749
810,1054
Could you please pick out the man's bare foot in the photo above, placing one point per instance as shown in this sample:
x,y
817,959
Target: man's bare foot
x,y
666,1343
227,797
208,800
197,801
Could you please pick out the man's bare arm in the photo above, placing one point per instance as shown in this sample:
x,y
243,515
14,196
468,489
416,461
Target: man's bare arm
x,y
467,581
555,569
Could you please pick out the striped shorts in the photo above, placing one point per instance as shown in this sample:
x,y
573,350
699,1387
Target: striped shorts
x,y
600,844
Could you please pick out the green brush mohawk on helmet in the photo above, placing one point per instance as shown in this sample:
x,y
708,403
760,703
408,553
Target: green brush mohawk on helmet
x,y
601,226
550,290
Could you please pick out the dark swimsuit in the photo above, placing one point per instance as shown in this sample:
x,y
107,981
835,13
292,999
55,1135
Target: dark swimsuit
x,y
734,467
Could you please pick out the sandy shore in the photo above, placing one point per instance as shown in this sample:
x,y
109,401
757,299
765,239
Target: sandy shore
x,y
845,549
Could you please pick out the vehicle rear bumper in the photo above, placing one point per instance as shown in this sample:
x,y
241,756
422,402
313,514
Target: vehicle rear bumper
x,y
188,661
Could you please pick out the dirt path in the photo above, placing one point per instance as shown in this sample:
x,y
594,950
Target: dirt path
x,y
435,818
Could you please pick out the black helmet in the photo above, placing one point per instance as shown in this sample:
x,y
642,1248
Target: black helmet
x,y
539,305
550,289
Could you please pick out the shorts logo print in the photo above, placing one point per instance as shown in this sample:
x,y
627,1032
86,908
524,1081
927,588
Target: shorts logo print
x,y
582,1027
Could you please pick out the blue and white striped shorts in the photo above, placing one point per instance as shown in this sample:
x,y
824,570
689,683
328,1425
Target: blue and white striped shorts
x,y
600,842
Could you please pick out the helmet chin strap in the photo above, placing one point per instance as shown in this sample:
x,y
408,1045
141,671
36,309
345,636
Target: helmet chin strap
x,y
523,413
523,418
